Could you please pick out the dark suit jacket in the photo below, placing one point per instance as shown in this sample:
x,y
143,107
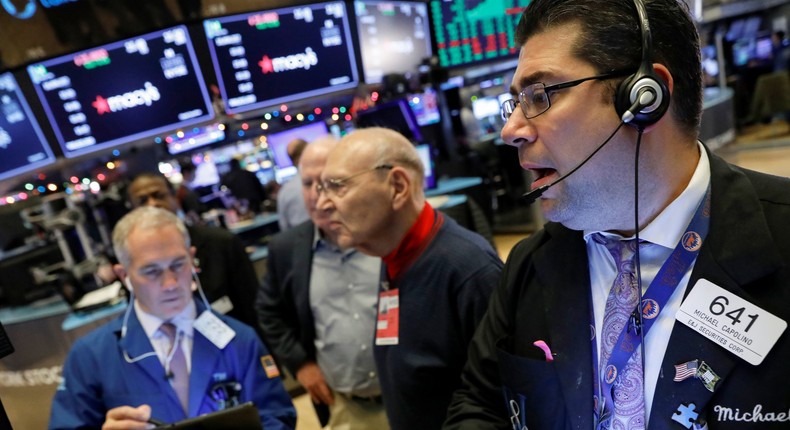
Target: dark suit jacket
x,y
544,295
283,302
226,270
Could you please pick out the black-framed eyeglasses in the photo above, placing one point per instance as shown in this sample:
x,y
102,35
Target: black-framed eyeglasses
x,y
534,99
338,187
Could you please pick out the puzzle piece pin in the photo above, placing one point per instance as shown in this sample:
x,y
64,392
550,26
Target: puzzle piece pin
x,y
685,415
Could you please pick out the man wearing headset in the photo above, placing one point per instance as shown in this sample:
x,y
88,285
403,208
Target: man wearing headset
x,y
569,338
168,357
225,270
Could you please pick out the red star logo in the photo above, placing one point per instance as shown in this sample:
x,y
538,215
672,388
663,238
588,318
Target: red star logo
x,y
101,105
266,65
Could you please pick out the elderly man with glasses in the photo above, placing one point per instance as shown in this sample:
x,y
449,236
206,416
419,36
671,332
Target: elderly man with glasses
x,y
438,275
317,309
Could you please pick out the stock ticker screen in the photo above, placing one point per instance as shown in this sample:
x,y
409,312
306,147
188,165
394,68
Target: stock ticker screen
x,y
276,56
22,146
394,37
123,91
469,32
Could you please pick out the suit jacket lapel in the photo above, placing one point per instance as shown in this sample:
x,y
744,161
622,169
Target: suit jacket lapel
x,y
301,266
204,360
567,310
135,345
738,233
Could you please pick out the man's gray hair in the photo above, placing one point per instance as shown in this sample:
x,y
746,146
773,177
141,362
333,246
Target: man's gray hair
x,y
144,217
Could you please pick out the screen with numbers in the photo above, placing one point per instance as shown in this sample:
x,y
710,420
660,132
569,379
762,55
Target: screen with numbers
x,y
266,58
121,92
469,32
22,146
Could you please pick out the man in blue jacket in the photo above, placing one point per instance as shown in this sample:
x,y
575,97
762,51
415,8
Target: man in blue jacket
x,y
168,357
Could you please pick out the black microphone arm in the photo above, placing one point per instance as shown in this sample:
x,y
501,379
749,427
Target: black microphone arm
x,y
645,98
535,194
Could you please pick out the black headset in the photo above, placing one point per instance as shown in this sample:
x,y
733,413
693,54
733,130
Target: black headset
x,y
629,96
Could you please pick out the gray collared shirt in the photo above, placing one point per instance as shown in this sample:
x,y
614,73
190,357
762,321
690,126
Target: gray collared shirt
x,y
343,297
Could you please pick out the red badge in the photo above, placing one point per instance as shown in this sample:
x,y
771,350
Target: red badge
x,y
387,321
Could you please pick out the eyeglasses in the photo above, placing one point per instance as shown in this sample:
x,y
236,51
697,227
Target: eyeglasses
x,y
339,187
534,99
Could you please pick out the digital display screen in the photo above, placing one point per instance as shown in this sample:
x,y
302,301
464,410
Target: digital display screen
x,y
394,37
425,107
396,115
22,146
278,142
484,107
763,48
474,31
194,137
276,56
424,151
123,91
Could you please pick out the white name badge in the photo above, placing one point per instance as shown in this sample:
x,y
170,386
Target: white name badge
x,y
222,305
738,326
214,329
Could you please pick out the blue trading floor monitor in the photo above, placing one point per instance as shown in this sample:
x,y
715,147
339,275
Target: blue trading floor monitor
x,y
425,106
394,37
278,146
266,58
426,156
122,92
469,32
22,146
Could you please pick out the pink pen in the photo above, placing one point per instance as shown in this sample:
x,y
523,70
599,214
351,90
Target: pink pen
x,y
546,350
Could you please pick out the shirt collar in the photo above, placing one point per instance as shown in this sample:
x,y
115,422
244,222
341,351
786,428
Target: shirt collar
x,y
320,243
667,228
151,323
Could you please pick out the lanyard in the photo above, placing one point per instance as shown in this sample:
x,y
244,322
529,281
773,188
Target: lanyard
x,y
653,301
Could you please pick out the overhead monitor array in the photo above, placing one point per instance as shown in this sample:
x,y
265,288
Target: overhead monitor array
x,y
152,84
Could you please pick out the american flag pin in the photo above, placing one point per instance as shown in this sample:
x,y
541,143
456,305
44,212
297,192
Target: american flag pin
x,y
686,370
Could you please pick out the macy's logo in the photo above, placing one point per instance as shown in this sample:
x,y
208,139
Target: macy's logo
x,y
144,96
290,62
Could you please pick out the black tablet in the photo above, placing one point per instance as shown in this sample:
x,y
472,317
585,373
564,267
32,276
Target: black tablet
x,y
241,417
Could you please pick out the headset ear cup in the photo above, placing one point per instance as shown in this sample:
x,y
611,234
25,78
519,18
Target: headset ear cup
x,y
628,92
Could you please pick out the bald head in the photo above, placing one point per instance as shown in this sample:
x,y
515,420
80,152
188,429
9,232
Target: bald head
x,y
318,150
373,190
374,146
